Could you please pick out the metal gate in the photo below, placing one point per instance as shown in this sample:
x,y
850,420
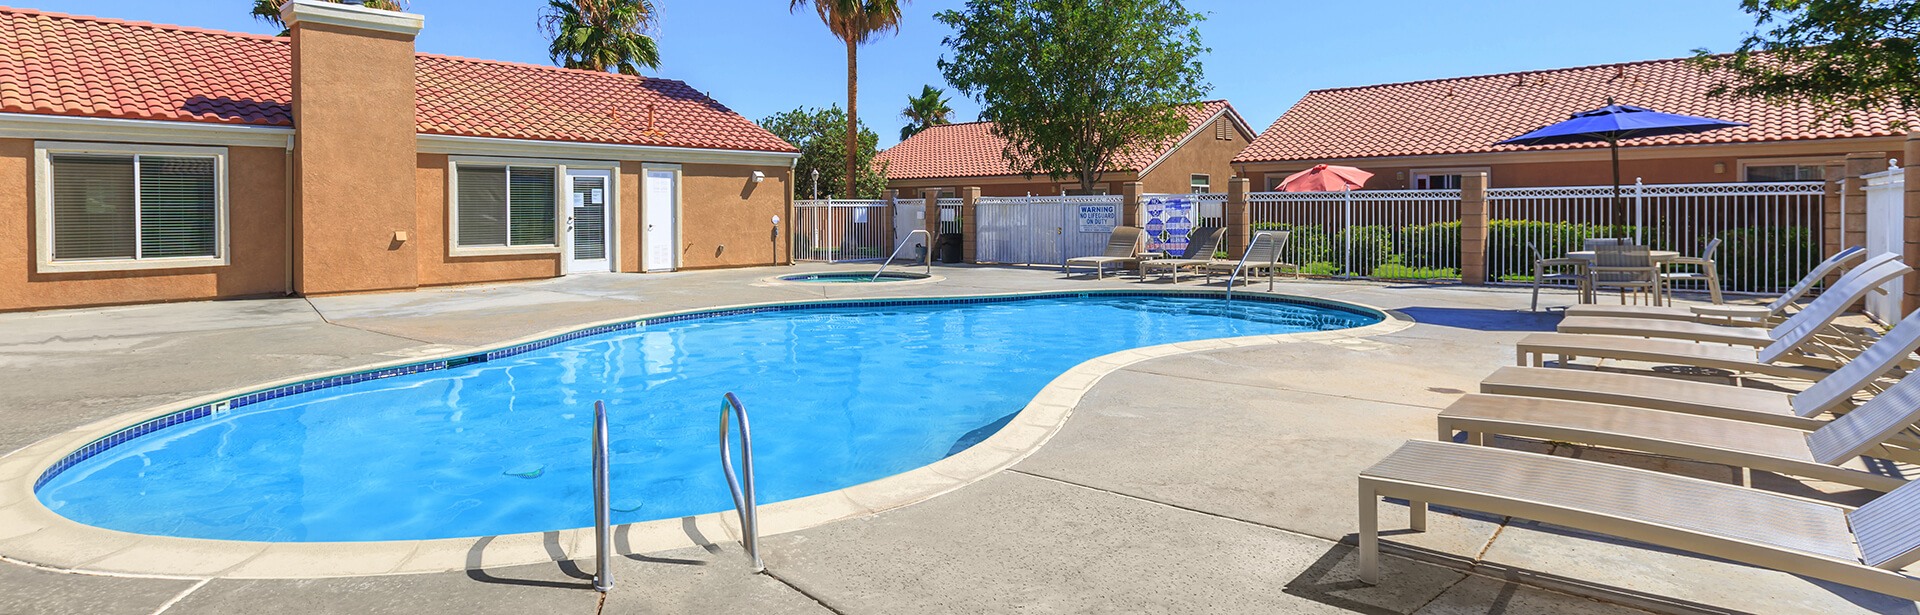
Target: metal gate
x,y
838,231
1040,230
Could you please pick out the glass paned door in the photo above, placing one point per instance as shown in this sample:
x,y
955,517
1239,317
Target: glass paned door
x,y
587,223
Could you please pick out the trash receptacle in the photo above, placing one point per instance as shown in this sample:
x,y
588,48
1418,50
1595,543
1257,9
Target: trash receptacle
x,y
950,249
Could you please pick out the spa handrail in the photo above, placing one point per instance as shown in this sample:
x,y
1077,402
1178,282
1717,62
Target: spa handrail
x,y
602,514
1243,260
903,246
741,486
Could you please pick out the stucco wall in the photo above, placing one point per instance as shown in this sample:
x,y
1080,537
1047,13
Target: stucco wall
x,y
435,217
353,101
257,240
726,220
1201,154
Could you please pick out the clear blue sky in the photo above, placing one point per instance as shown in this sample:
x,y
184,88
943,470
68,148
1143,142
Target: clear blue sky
x,y
759,59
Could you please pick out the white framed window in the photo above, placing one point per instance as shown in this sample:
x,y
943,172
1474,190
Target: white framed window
x,y
1783,170
114,207
505,206
1442,179
1276,178
1202,183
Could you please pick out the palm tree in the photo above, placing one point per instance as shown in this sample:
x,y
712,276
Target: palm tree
x,y
927,109
599,35
269,10
854,22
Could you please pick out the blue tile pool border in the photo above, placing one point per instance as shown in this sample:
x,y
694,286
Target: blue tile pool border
x,y
239,401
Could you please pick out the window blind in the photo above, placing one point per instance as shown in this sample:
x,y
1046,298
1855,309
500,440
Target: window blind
x,y
505,205
93,207
177,207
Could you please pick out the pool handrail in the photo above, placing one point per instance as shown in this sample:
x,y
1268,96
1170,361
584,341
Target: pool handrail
x,y
1255,240
741,486
903,246
602,513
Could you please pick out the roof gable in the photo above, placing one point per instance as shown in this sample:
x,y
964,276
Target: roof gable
x,y
1470,114
56,64
972,150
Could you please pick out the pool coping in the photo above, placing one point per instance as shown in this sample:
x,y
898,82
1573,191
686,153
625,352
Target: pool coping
x,y
32,534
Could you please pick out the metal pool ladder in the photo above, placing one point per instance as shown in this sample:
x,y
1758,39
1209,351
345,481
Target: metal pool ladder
x,y
742,485
896,252
1243,260
602,515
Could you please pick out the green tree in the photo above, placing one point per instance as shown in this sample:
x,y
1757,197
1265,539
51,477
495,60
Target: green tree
x,y
1841,56
269,10
927,109
854,22
601,35
821,136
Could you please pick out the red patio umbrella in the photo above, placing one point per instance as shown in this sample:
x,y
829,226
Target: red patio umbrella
x,y
1325,178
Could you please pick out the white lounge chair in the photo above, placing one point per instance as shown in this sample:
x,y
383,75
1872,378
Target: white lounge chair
x,y
1756,315
1817,315
1262,256
1831,394
1122,246
1864,547
1201,244
1787,355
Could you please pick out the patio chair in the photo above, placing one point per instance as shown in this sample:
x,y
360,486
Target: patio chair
x,y
1831,394
1201,244
1625,268
1756,315
1815,317
1864,547
1709,272
1594,243
1815,454
1263,254
1576,273
1121,250
1785,357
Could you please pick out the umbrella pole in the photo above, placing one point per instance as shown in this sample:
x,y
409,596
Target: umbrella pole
x,y
1619,207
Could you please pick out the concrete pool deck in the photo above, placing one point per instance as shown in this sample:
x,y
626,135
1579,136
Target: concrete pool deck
x,y
1220,480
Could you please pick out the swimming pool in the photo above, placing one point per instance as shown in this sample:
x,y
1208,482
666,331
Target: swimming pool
x,y
496,443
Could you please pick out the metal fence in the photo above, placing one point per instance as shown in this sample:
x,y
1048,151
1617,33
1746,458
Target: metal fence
x,y
1385,234
1770,232
840,230
1039,230
949,216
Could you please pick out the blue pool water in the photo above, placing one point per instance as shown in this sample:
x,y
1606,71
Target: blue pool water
x,y
838,396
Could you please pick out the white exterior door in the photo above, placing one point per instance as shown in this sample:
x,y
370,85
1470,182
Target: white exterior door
x,y
658,221
588,221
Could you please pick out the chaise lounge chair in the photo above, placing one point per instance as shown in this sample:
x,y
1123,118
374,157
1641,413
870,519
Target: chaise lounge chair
x,y
1201,244
1817,454
1122,247
1262,255
1784,356
1816,316
1834,393
1756,315
1864,547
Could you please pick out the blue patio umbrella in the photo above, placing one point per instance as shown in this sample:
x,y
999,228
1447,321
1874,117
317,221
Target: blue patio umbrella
x,y
1613,123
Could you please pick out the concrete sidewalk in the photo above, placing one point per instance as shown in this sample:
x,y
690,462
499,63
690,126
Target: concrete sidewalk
x,y
1220,481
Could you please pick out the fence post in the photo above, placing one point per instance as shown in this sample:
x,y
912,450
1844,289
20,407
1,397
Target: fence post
x,y
930,217
1910,235
1473,228
1130,203
1238,214
969,224
892,221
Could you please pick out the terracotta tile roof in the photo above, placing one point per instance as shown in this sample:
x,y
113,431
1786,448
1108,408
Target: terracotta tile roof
x,y
972,150
1470,114
57,64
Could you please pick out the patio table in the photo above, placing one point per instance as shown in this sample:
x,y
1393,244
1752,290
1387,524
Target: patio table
x,y
1659,257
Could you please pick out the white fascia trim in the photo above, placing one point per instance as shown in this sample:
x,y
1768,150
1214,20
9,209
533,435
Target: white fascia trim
x,y
350,16
102,129
527,148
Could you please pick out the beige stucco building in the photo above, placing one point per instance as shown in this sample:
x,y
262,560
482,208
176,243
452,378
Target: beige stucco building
x,y
143,162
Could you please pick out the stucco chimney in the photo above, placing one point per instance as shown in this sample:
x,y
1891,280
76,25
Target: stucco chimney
x,y
354,205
